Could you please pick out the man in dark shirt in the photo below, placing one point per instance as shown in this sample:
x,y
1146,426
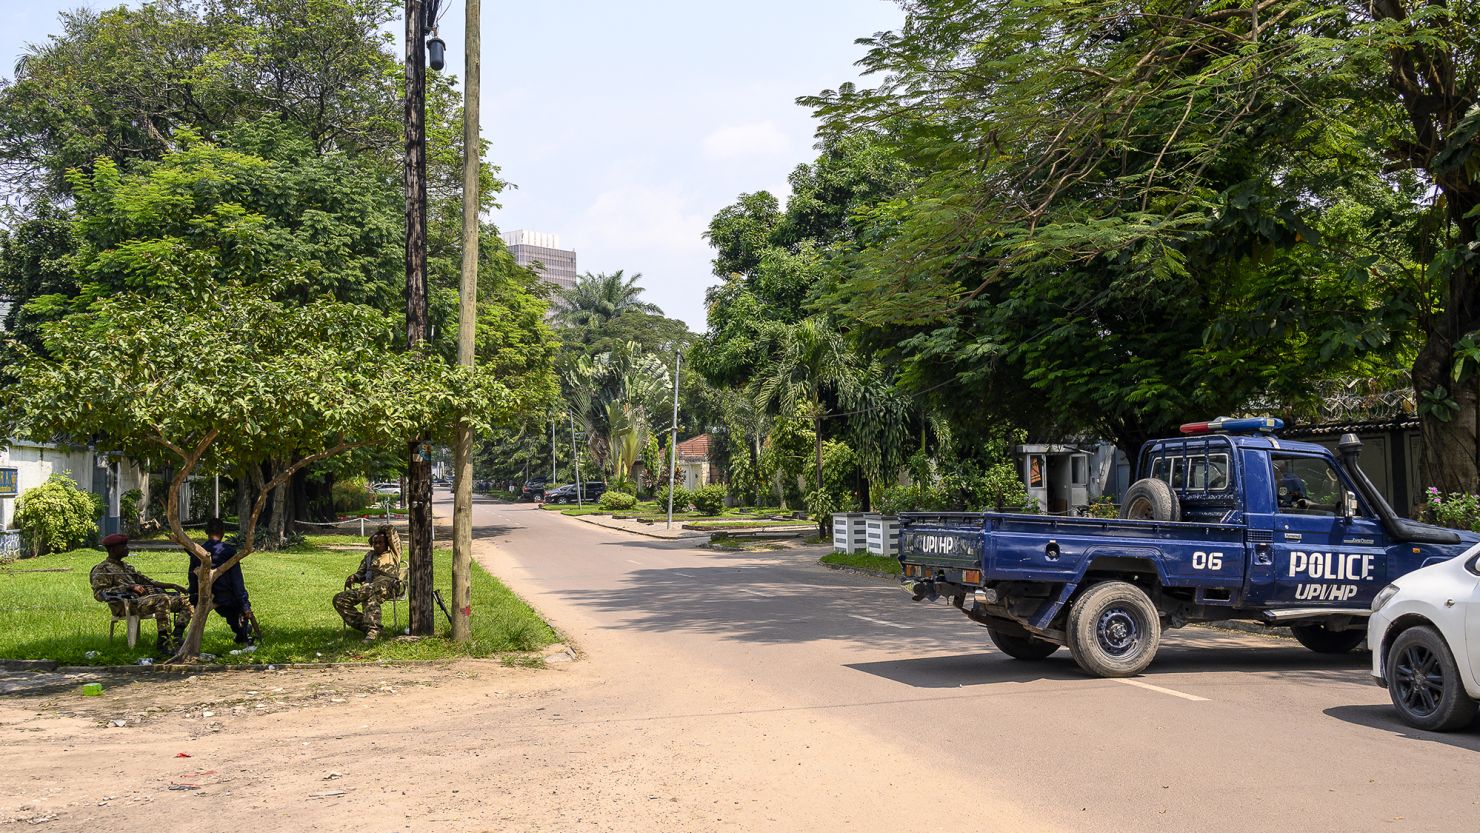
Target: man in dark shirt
x,y
228,592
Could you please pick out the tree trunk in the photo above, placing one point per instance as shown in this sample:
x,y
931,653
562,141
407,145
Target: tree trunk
x,y
1449,459
817,427
419,519
244,496
278,531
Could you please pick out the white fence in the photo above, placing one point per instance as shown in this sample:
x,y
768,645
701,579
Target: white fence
x,y
849,534
882,535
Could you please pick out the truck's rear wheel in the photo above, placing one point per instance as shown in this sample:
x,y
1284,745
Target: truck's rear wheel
x,y
1113,630
1322,641
1021,645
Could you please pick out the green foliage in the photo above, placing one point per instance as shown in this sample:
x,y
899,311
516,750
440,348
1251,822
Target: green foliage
x,y
57,516
1455,510
351,493
822,504
915,497
708,500
682,499
1104,507
597,298
612,500
995,488
131,510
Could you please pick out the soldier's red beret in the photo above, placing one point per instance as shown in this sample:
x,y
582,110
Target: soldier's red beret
x,y
115,539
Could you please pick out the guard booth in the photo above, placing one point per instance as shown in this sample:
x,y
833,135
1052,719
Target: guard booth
x,y
1057,476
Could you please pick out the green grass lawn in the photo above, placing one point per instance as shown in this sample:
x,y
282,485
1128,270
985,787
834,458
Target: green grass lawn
x,y
52,615
883,565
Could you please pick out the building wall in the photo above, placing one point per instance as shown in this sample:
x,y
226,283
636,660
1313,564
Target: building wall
x,y
36,462
542,252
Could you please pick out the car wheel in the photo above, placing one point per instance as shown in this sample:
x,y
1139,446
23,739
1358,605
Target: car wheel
x,y
1424,682
1150,499
1113,630
1322,641
1021,645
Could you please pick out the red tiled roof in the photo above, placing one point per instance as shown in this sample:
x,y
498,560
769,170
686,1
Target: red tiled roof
x,y
696,448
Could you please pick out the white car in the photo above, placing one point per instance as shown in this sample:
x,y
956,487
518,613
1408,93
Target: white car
x,y
1425,638
387,488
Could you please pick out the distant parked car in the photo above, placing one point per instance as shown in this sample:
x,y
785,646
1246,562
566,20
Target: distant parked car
x,y
590,493
1425,639
387,488
533,490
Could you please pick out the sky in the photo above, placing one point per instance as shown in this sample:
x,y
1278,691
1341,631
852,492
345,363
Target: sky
x,y
626,126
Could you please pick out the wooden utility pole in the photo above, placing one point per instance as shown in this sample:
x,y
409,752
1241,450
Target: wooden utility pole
x,y
462,499
418,465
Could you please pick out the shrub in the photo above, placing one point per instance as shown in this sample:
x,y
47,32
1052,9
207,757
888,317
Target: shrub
x,y
913,498
1103,507
1456,510
821,504
616,501
709,500
682,500
352,493
57,516
130,507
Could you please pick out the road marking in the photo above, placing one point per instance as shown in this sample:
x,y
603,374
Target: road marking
x,y
1149,687
753,592
685,575
882,622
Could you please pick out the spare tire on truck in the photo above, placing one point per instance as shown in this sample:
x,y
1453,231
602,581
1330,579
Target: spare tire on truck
x,y
1149,499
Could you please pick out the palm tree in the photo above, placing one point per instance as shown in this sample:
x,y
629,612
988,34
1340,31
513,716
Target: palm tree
x,y
598,298
806,361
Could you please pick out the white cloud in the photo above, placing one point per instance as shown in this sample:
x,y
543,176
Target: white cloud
x,y
757,139
642,217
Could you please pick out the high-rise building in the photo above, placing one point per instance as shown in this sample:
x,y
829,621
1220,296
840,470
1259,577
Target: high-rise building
x,y
541,252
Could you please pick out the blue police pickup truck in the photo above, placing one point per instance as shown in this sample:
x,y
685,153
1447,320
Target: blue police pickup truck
x,y
1227,522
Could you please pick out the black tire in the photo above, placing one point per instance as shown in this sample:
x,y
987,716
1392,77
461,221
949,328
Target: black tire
x,y
1150,499
1021,645
1424,682
1113,630
1322,641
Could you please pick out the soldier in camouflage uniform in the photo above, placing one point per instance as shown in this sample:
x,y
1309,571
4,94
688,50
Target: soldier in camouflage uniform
x,y
128,591
377,579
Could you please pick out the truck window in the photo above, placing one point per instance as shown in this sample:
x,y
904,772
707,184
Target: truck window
x,y
1306,486
1208,473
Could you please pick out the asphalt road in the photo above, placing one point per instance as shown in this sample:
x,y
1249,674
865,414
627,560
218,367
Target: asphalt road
x,y
827,700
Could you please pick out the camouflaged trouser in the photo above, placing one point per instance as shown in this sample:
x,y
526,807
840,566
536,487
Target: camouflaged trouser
x,y
159,606
348,601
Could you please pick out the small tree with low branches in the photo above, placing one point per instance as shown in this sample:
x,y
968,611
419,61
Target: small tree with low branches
x,y
242,378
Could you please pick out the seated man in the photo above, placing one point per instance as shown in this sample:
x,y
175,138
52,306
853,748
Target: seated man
x,y
229,591
378,578
128,591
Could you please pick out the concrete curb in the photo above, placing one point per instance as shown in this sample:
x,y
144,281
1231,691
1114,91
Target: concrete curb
x,y
859,571
606,523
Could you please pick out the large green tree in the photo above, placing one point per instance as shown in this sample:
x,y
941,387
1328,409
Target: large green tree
x,y
235,375
1127,216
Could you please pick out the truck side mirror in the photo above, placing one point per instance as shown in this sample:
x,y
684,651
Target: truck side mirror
x,y
1350,505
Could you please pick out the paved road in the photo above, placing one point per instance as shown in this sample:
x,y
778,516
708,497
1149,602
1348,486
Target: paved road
x,y
826,700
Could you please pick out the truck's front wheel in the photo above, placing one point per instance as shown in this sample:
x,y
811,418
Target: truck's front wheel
x,y
1322,641
1113,630
1021,645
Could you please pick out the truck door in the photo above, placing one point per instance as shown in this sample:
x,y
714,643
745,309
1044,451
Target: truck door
x,y
1322,556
